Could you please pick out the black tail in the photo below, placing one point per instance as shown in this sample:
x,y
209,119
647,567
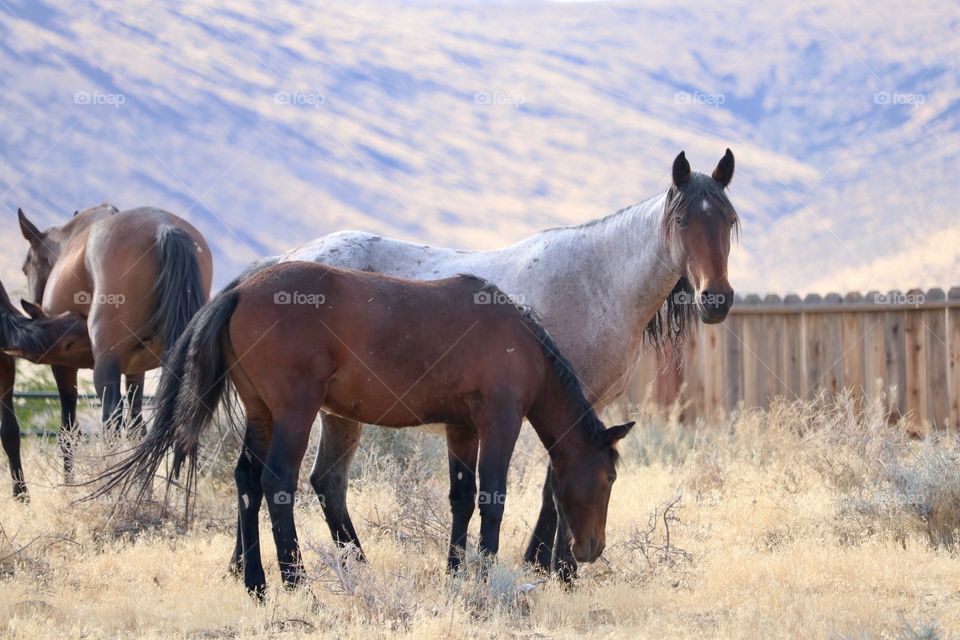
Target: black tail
x,y
179,291
193,383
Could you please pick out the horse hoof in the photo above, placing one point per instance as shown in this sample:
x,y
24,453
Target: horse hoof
x,y
20,495
567,575
258,592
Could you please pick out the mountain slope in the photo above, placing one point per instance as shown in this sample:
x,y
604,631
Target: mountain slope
x,y
475,125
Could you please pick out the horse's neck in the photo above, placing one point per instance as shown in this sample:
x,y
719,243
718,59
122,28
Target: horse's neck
x,y
622,257
598,285
561,423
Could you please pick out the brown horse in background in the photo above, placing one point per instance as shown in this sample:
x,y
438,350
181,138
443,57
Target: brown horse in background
x,y
137,277
300,337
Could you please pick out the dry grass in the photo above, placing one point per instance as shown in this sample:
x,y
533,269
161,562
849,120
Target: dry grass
x,y
809,520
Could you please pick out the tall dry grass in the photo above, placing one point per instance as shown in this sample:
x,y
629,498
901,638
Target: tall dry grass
x,y
808,520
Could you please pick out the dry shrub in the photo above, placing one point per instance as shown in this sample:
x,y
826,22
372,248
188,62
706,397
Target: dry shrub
x,y
887,481
420,513
651,551
916,491
376,597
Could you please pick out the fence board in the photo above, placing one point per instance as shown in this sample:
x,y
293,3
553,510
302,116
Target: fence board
x,y
852,341
895,363
938,400
915,332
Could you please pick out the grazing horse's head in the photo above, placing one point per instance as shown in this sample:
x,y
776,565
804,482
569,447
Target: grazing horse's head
x,y
582,487
45,246
40,337
698,220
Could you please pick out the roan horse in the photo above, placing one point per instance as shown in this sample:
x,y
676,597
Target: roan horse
x,y
649,269
137,277
42,339
300,337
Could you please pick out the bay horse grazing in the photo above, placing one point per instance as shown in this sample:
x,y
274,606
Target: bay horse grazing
x,y
647,271
137,277
301,337
41,339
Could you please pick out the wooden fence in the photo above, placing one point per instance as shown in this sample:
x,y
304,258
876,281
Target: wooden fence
x,y
907,345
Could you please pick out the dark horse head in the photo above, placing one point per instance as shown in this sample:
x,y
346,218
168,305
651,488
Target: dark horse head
x,y
39,337
582,486
698,220
45,246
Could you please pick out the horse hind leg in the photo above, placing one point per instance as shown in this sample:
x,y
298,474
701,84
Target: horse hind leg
x,y
135,425
248,475
291,434
106,379
9,427
463,445
339,439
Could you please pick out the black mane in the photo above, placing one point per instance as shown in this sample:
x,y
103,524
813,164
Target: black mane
x,y
561,367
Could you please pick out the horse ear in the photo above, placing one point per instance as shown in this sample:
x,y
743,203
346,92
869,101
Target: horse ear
x,y
615,434
5,304
724,171
33,310
681,170
28,229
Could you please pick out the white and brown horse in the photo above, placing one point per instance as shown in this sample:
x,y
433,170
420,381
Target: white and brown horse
x,y
650,269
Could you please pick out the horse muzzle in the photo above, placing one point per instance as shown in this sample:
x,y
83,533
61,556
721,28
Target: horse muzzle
x,y
588,550
714,306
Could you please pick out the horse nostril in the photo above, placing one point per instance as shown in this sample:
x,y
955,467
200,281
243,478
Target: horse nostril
x,y
719,300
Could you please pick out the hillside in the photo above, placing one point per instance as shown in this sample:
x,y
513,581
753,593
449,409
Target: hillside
x,y
475,125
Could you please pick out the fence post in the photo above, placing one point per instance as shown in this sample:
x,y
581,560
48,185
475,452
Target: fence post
x,y
895,351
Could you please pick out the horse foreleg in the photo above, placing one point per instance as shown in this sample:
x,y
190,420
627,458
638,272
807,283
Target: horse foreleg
x,y
66,379
540,550
497,439
564,564
106,378
9,427
291,433
462,448
339,439
134,392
